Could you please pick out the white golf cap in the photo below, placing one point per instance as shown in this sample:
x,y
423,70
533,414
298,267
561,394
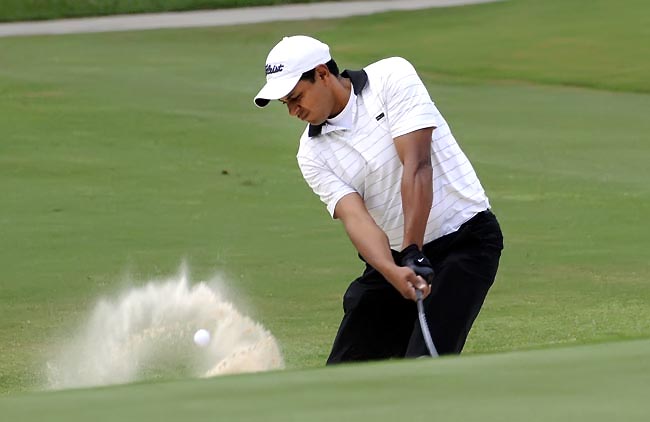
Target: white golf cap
x,y
286,63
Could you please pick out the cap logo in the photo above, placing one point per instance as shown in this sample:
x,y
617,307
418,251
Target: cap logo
x,y
274,69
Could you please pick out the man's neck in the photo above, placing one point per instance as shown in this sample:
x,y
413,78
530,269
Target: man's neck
x,y
341,95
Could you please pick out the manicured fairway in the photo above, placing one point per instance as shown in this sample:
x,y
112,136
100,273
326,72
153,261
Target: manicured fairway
x,y
587,383
124,154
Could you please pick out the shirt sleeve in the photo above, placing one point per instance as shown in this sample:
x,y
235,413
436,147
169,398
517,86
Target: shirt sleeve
x,y
327,185
407,102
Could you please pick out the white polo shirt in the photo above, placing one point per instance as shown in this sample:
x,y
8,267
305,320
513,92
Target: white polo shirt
x,y
355,152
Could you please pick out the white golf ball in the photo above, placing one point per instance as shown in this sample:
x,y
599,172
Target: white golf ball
x,y
202,337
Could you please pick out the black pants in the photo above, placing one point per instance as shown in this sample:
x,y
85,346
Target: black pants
x,y
380,324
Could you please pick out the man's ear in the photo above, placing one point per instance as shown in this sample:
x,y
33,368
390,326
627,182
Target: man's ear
x,y
321,72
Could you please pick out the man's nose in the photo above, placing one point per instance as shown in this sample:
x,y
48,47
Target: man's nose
x,y
293,109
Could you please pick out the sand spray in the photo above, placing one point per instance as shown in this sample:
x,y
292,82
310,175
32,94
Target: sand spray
x,y
146,333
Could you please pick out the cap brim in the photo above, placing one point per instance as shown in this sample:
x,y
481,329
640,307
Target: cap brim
x,y
275,89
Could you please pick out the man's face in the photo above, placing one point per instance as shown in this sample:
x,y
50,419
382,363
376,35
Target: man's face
x,y
311,102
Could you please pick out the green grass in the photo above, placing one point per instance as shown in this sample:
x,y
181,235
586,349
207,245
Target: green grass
x,y
599,44
587,383
22,10
114,147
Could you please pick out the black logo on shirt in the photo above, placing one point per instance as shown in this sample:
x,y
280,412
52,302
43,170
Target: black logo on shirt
x,y
274,68
381,116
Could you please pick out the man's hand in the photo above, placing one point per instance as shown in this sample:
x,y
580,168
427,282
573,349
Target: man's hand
x,y
405,281
413,258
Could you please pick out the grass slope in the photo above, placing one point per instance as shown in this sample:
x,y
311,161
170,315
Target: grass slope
x,y
123,154
588,383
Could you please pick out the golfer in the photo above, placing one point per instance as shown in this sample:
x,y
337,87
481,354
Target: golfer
x,y
384,161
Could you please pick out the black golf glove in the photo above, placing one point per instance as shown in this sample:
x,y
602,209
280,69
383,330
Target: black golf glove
x,y
413,258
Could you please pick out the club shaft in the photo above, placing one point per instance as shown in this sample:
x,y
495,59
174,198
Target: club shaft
x,y
424,326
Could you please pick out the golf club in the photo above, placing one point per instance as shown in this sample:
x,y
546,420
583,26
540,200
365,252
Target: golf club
x,y
424,326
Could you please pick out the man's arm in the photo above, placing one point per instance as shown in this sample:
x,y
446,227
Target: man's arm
x,y
372,244
414,150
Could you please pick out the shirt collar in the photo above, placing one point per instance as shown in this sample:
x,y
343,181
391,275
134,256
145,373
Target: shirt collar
x,y
359,80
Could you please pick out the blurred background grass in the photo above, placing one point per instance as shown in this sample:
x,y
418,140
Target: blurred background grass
x,y
22,10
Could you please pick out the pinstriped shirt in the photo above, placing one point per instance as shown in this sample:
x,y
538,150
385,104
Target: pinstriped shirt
x,y
355,152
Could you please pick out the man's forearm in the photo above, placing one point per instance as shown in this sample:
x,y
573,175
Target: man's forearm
x,y
414,150
371,242
417,197
373,245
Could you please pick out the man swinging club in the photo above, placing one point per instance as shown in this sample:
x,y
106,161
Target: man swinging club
x,y
379,154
